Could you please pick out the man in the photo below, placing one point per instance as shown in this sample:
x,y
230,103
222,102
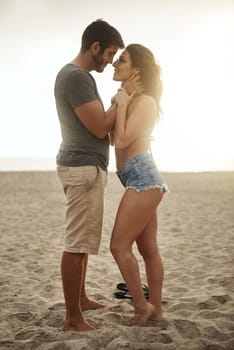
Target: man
x,y
82,162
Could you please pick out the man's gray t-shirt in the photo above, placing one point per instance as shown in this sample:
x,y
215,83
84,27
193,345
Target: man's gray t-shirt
x,y
79,147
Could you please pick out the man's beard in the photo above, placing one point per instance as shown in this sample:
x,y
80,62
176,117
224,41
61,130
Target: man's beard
x,y
98,63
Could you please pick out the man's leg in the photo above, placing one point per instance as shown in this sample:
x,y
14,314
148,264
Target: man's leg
x,y
86,303
72,269
84,188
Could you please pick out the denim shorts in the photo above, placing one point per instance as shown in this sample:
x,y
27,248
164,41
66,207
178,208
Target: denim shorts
x,y
140,173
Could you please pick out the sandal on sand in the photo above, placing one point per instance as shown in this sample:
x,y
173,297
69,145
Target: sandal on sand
x,y
123,286
123,295
127,295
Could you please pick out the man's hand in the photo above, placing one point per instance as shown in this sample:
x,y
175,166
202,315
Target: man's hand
x,y
133,84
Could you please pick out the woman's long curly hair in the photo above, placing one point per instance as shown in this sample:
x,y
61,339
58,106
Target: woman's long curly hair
x,y
143,58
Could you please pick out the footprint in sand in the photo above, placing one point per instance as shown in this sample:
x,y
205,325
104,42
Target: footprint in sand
x,y
35,334
214,302
21,316
163,338
52,319
28,333
187,329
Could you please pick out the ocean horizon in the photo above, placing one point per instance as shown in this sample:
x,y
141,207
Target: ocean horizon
x,y
49,164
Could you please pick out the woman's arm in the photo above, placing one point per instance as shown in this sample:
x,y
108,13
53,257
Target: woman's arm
x,y
129,88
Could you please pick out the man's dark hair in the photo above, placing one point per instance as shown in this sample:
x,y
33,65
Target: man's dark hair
x,y
102,32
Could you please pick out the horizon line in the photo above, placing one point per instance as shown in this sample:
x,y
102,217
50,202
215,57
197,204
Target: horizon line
x,y
47,163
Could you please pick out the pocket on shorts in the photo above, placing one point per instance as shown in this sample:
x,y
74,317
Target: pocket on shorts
x,y
92,175
62,169
70,176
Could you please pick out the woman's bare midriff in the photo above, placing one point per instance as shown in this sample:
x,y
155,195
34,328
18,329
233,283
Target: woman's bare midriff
x,y
139,146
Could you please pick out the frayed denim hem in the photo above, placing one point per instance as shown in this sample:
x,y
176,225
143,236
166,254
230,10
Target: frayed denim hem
x,y
164,188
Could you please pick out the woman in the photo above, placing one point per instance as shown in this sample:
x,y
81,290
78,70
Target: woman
x,y
136,219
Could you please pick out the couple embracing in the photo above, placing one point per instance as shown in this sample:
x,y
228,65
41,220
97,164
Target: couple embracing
x,y
82,160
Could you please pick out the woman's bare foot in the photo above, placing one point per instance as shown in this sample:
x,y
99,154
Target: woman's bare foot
x,y
157,316
142,316
88,304
79,326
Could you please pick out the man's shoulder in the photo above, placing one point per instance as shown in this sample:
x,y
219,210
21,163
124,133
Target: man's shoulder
x,y
71,76
72,70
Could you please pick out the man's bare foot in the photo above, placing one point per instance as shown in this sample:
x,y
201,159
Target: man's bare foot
x,y
88,304
141,317
81,326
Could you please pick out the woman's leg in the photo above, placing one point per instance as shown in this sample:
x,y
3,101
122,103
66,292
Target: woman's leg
x,y
134,212
147,246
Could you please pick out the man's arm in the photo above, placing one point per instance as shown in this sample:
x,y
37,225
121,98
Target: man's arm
x,y
95,119
133,84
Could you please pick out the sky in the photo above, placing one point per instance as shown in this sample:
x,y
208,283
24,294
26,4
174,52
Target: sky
x,y
193,41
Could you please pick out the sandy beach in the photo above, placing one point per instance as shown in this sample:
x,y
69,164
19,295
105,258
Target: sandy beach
x,y
196,237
